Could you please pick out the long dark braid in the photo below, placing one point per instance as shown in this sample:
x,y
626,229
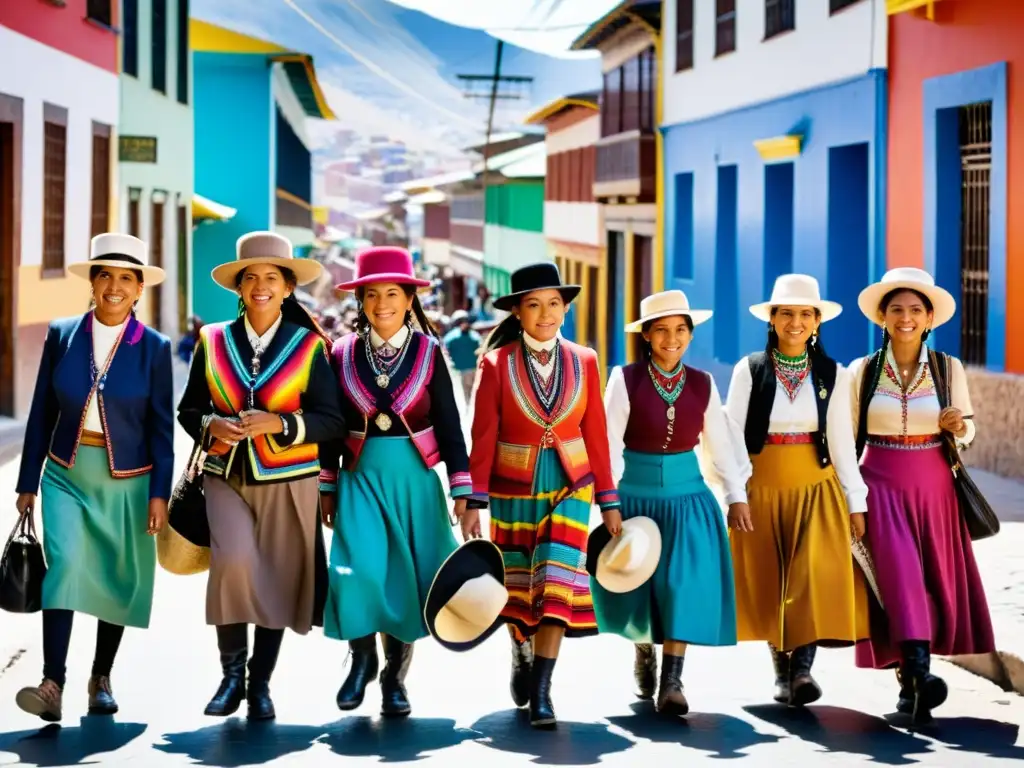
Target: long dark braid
x,y
507,331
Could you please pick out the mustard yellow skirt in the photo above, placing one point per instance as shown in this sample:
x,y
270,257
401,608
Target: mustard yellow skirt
x,y
796,581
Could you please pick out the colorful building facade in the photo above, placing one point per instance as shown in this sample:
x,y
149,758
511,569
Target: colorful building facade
x,y
251,102
58,137
775,157
956,172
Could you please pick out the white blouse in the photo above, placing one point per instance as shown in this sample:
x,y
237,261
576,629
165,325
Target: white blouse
x,y
103,339
395,342
801,415
262,341
893,413
716,433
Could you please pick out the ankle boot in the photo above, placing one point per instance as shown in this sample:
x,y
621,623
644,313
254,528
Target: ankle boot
x,y
522,665
265,649
803,689
542,711
394,698
101,696
926,691
671,699
233,642
781,662
645,670
363,665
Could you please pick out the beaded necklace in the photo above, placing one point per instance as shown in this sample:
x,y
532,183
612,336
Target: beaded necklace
x,y
791,371
384,367
669,385
547,389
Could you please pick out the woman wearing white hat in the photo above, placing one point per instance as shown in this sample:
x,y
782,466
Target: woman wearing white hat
x,y
261,396
905,399
796,586
658,409
100,434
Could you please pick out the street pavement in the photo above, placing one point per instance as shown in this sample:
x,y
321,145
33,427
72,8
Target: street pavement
x,y
462,712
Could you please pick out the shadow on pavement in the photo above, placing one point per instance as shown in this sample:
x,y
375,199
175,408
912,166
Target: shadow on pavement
x,y
394,741
570,744
990,738
721,735
238,742
56,745
838,729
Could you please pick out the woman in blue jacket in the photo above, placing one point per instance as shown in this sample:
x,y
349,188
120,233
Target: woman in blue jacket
x,y
100,433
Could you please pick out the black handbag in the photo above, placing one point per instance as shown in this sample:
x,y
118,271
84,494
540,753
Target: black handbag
x,y
183,545
22,568
978,515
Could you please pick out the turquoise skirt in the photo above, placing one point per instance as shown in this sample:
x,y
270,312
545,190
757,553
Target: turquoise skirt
x,y
691,596
99,558
391,535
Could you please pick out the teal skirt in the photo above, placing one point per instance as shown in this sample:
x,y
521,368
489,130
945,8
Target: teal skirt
x,y
99,558
391,535
691,596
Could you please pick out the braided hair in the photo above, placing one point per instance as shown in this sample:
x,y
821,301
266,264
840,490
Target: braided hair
x,y
505,332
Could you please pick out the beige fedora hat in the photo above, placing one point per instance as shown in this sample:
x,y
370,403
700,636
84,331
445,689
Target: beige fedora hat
x,y
667,304
626,561
796,291
265,248
943,303
113,249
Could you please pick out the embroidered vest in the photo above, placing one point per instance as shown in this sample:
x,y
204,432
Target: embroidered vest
x,y
647,426
277,389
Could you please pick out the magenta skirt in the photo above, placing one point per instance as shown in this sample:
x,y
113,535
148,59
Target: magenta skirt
x,y
927,574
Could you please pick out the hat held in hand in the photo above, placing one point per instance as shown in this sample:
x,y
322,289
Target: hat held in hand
x,y
625,562
467,596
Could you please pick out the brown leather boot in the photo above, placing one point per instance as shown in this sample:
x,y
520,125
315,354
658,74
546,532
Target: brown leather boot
x,y
645,670
101,696
671,699
44,700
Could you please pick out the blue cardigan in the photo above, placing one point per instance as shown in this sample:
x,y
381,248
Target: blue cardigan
x,y
137,404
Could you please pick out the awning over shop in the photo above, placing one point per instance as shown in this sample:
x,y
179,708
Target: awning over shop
x,y
467,262
204,209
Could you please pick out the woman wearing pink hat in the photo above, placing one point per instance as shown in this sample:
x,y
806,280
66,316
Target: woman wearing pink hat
x,y
386,505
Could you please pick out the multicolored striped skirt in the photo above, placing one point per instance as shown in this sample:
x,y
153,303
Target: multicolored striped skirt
x,y
545,553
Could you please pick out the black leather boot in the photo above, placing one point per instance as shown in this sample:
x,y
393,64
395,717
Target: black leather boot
x,y
928,690
265,649
363,665
542,711
645,670
803,689
905,702
522,665
671,699
780,660
233,643
394,698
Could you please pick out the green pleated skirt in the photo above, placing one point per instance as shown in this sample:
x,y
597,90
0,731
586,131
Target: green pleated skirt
x,y
391,535
99,558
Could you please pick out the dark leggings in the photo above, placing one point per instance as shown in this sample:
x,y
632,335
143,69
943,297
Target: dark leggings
x,y
57,636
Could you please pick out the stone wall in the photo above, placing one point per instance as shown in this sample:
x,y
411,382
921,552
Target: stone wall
x,y
998,400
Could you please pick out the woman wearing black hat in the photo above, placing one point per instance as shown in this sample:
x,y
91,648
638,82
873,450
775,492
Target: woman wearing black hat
x,y
540,459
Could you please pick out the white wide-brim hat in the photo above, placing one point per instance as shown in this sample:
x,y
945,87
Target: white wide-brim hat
x,y
265,248
626,561
914,279
113,249
667,304
796,291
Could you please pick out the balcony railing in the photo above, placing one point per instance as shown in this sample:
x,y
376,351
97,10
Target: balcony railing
x,y
292,211
625,167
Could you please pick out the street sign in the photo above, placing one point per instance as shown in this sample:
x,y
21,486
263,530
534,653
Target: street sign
x,y
137,149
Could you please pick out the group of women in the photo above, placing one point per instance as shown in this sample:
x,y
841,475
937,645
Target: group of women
x,y
812,457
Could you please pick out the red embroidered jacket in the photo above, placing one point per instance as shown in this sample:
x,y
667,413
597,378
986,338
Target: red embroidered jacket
x,y
510,426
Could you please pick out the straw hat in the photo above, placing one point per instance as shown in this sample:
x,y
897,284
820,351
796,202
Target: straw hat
x,y
796,291
122,251
383,264
943,303
667,304
467,596
265,248
535,277
624,562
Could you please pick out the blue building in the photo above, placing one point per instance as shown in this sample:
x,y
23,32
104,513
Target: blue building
x,y
252,152
774,158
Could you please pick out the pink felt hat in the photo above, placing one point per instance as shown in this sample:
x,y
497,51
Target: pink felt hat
x,y
383,264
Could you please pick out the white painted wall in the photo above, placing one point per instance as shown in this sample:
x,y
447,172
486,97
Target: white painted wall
x,y
573,222
822,49
509,249
44,74
578,135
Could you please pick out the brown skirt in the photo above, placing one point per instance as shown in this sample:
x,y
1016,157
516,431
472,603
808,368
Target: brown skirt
x,y
262,553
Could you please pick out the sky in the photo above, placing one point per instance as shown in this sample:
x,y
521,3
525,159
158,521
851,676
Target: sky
x,y
385,68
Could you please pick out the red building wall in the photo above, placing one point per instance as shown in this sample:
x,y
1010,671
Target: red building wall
x,y
437,221
966,34
64,28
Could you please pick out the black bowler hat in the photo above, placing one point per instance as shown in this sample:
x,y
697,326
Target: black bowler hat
x,y
535,277
467,596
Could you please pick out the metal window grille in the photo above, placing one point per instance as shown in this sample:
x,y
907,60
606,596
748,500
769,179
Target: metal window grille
x,y
838,5
54,186
684,35
779,17
100,213
159,45
976,175
725,26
